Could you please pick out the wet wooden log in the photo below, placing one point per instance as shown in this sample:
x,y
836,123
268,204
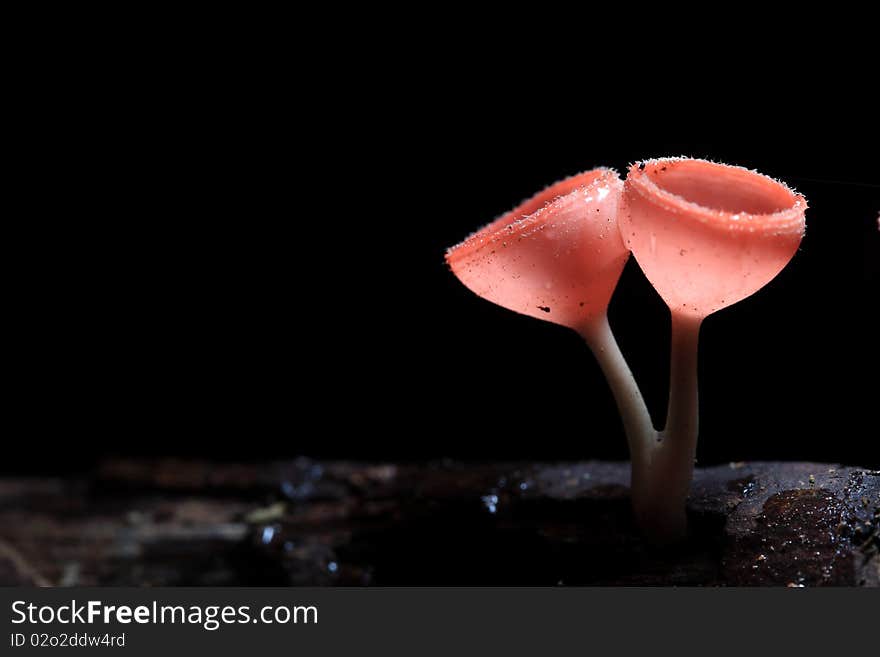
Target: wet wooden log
x,y
339,523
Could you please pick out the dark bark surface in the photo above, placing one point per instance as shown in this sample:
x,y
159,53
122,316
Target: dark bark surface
x,y
339,523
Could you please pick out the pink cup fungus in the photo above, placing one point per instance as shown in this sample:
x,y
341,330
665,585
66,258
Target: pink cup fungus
x,y
706,235
557,257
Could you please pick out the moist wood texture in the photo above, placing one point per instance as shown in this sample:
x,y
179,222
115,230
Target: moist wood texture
x,y
338,523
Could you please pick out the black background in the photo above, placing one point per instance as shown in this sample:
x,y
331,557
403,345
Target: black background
x,y
239,265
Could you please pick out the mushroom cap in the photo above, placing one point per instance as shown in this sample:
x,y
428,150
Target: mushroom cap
x,y
706,234
557,256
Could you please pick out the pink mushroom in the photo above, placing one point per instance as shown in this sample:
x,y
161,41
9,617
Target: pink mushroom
x,y
558,257
706,235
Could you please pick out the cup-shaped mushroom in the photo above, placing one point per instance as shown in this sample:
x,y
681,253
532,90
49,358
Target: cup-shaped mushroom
x,y
708,235
557,256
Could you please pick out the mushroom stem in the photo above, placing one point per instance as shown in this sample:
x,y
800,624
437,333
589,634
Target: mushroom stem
x,y
663,514
640,433
682,416
662,462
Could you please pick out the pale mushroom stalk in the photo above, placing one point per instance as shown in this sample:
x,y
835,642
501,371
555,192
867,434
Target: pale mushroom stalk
x,y
662,514
662,461
640,434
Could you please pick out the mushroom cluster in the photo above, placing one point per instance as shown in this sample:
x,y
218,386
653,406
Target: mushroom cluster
x,y
706,235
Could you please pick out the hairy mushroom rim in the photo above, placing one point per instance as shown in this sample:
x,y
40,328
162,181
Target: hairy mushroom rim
x,y
728,197
529,213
